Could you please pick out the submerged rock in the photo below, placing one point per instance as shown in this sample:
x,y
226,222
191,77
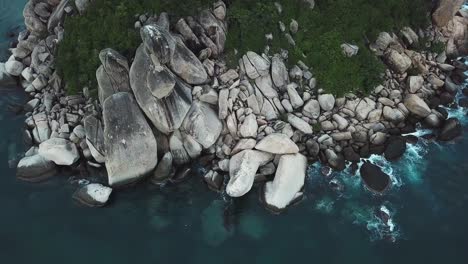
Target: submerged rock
x,y
374,178
450,130
288,182
212,219
35,168
171,51
93,195
95,138
131,149
396,147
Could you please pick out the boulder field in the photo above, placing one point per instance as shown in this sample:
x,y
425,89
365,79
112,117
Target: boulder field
x,y
258,123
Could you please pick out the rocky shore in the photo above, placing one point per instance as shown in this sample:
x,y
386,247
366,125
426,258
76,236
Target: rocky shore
x,y
259,124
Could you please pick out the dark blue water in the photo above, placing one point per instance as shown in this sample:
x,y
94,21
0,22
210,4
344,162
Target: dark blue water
x,y
39,223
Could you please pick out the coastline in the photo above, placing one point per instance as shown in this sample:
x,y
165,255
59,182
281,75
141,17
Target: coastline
x,y
251,121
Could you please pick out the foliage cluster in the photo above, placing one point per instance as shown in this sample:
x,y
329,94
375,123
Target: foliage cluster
x,y
108,24
321,33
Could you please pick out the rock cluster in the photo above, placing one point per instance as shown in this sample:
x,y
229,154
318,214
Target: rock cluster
x,y
259,123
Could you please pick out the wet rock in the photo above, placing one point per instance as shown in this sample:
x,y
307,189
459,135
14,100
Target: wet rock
x,y
95,138
336,161
214,181
179,153
130,146
164,169
277,143
374,178
93,195
213,224
14,68
396,147
450,130
35,168
287,184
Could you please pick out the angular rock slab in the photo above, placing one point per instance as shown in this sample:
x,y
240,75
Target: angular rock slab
x,y
168,113
242,169
112,75
288,182
171,51
417,106
202,124
131,148
277,143
60,151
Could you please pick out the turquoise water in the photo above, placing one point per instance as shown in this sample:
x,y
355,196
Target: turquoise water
x,y
39,223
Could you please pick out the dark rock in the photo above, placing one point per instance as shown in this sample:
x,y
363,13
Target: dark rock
x,y
374,178
377,149
465,91
396,147
351,155
411,139
443,112
463,102
446,98
450,130
434,102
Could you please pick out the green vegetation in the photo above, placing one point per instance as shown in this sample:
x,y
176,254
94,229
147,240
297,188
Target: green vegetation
x,y
110,24
107,24
321,33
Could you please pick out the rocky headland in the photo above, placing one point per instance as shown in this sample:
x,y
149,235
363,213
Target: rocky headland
x,y
177,103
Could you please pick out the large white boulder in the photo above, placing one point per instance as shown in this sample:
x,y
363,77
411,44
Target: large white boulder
x,y
60,151
277,143
242,169
288,182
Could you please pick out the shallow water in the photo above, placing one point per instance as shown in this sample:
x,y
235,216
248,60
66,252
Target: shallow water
x,y
187,223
